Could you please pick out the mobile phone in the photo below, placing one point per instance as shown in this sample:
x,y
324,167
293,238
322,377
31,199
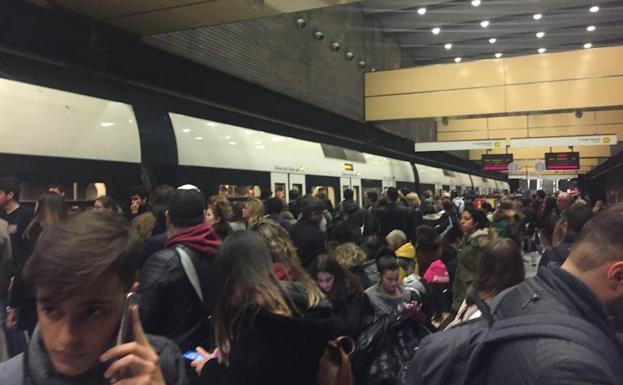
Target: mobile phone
x,y
124,324
124,329
192,356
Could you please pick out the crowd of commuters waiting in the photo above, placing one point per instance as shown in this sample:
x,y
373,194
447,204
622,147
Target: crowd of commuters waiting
x,y
255,292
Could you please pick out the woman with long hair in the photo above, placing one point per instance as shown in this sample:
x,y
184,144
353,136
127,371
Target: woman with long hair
x,y
266,332
217,214
500,267
252,211
49,210
343,290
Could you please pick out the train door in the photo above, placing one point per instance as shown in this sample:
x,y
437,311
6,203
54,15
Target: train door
x,y
353,184
297,181
279,185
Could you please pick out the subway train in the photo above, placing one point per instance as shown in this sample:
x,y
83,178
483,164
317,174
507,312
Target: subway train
x,y
92,146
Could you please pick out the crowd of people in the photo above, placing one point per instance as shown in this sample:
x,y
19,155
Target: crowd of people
x,y
234,291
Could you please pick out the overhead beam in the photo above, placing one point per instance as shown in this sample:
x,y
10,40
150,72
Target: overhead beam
x,y
548,82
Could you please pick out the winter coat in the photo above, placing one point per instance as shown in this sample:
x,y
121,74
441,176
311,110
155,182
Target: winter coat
x,y
558,254
468,257
382,303
392,217
270,349
355,218
308,240
347,311
169,305
554,361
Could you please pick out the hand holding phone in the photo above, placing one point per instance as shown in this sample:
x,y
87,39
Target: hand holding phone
x,y
136,357
201,356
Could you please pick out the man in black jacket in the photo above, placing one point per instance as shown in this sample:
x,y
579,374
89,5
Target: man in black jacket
x,y
352,214
589,287
391,215
306,235
178,284
571,222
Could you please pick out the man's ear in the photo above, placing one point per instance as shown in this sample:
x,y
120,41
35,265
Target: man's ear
x,y
10,195
615,276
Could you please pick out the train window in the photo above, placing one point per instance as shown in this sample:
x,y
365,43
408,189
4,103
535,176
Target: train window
x,y
330,192
95,190
240,191
356,194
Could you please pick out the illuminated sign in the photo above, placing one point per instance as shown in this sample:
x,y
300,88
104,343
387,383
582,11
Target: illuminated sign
x,y
562,160
496,162
349,167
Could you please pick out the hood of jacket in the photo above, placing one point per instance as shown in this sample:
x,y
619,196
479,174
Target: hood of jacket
x,y
406,251
201,238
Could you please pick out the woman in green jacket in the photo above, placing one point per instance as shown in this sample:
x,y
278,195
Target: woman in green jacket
x,y
477,235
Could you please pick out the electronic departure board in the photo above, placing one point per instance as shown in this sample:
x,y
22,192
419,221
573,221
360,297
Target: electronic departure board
x,y
496,162
562,160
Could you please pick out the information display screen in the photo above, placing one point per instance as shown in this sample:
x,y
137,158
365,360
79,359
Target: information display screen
x,y
562,160
496,162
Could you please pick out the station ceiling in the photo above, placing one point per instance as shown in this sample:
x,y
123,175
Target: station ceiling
x,y
513,24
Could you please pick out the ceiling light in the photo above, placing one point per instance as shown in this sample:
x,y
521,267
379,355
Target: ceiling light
x,y
233,143
318,35
537,16
540,34
211,124
349,55
542,50
594,9
198,138
421,11
493,40
300,22
260,147
498,55
335,46
484,23
227,137
107,124
590,28
361,64
186,130
130,121
457,59
448,46
588,45
475,3
436,30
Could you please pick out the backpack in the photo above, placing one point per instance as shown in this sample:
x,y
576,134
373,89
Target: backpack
x,y
335,367
452,357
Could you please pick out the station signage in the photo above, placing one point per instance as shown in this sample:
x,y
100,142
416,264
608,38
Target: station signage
x,y
461,145
349,167
496,162
562,160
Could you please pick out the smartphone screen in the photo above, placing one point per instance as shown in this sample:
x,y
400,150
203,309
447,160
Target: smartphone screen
x,y
124,323
192,356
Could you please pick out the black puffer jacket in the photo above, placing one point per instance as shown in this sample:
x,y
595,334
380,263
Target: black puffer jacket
x,y
273,349
355,217
391,216
554,361
347,310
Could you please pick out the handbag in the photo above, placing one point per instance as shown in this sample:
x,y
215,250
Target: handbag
x,y
335,368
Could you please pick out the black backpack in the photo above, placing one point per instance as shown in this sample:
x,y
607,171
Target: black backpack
x,y
451,357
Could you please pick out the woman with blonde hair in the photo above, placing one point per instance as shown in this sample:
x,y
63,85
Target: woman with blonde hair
x,y
286,263
352,258
252,211
266,332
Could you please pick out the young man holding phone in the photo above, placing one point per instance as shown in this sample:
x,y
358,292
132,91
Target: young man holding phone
x,y
82,271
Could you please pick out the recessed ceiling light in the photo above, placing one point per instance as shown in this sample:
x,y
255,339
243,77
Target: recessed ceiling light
x,y
228,137
198,138
421,11
591,28
484,23
457,59
540,34
448,46
436,30
475,3
233,143
186,130
588,45
537,16
211,124
260,147
498,55
542,50
107,124
594,9
493,40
